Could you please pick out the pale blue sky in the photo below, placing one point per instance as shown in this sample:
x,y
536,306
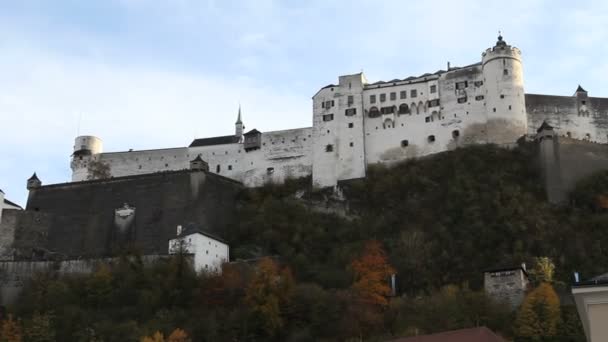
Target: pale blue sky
x,y
152,74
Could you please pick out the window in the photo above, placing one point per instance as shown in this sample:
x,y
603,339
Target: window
x,y
478,97
509,107
404,143
374,112
229,167
462,99
427,119
393,96
329,148
434,103
270,170
332,103
351,125
461,85
502,96
350,112
433,89
494,109
431,138
351,144
217,169
505,72
403,94
583,102
328,117
413,93
478,83
382,97
322,104
455,134
351,100
387,110
372,99
403,109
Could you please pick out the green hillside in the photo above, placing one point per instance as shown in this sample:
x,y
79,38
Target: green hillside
x,y
441,220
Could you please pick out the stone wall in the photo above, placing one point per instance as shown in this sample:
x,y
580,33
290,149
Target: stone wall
x,y
14,275
78,219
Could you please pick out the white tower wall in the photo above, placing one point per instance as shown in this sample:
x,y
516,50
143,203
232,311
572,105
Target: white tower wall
x,y
505,99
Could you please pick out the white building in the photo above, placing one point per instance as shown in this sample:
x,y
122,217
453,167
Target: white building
x,y
6,204
357,124
210,252
591,299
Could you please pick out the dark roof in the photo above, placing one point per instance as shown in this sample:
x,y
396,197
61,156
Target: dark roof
x,y
34,177
544,126
11,203
580,89
601,280
505,268
198,158
253,131
227,139
193,228
329,86
481,334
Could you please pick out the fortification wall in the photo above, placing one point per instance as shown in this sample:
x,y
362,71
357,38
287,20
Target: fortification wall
x,y
135,162
81,216
568,117
14,275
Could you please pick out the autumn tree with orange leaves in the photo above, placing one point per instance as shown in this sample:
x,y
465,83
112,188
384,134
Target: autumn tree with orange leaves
x,y
372,271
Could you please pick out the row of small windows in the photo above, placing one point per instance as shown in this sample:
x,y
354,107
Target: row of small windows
x,y
431,138
402,95
403,108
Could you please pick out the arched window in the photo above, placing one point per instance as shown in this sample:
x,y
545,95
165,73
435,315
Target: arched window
x,y
421,106
403,108
414,108
374,112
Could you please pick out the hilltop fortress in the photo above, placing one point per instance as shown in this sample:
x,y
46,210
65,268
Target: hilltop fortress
x,y
357,123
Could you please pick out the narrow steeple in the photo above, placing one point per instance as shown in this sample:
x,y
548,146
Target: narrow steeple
x,y
239,127
238,119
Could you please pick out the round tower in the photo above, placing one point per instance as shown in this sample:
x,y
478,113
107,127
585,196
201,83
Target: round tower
x,y
504,98
85,147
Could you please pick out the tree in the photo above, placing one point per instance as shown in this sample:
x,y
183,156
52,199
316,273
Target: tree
x,y
11,331
372,272
41,329
178,335
268,291
156,337
98,170
543,270
539,315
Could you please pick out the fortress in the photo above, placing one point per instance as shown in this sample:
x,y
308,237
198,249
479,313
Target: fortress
x,y
357,123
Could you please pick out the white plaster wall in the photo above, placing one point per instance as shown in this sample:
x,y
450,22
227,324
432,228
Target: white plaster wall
x,y
209,254
505,99
88,142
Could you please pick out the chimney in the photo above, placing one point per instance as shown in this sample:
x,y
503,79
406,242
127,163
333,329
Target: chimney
x,y
179,230
448,65
523,266
576,279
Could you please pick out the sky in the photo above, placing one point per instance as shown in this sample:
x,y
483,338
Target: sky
x,y
147,74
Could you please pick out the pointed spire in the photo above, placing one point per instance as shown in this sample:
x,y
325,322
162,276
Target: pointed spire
x,y
34,177
238,120
580,89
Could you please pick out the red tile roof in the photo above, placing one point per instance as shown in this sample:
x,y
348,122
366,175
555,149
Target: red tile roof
x,y
481,334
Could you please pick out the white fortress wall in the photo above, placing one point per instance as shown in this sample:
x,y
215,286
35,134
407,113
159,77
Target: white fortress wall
x,y
145,161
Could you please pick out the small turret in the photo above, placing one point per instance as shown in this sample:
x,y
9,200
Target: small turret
x,y
239,127
580,92
33,182
199,164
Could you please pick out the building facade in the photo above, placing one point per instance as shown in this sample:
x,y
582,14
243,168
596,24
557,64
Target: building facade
x,y
357,124
209,251
508,284
591,299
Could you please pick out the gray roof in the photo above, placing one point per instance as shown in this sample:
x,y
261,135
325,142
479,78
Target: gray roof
x,y
227,139
12,203
193,228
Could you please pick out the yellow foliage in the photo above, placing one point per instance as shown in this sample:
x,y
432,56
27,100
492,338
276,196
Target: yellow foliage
x,y
156,337
178,335
539,314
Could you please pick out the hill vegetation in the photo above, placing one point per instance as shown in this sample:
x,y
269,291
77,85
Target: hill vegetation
x,y
436,222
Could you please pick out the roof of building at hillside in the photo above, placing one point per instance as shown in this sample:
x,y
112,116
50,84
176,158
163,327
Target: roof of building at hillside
x,y
193,228
226,139
7,202
600,280
481,334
